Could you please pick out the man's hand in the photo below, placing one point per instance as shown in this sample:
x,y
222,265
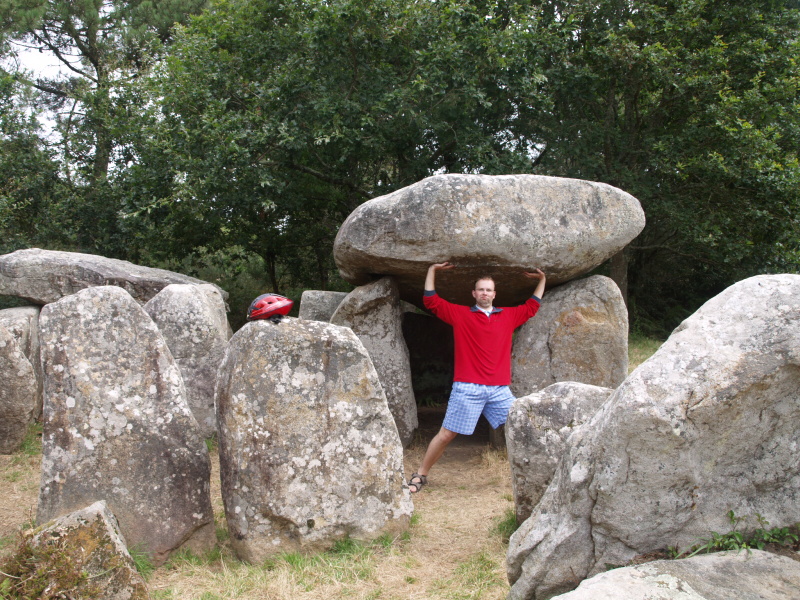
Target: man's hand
x,y
537,274
430,280
441,266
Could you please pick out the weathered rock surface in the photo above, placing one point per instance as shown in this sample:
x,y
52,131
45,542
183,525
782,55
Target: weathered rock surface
x,y
503,225
309,452
193,322
536,432
579,334
319,305
707,425
23,323
44,276
374,314
89,540
117,426
753,575
17,393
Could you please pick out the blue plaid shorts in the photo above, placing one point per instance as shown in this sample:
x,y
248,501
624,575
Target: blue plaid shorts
x,y
469,400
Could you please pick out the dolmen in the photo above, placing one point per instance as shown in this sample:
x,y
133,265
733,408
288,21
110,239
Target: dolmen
x,y
707,426
194,324
18,394
503,226
190,313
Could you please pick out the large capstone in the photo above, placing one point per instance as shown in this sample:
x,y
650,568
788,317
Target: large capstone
x,y
502,225
536,434
44,276
23,323
17,393
707,425
309,452
579,334
374,314
194,324
117,426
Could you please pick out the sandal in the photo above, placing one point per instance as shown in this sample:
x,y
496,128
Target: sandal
x,y
422,481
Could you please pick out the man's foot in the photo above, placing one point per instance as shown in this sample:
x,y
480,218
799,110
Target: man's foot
x,y
417,482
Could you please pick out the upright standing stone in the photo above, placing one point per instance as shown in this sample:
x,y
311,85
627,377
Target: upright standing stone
x,y
580,334
374,313
193,322
117,426
17,393
309,452
318,305
536,432
706,425
23,323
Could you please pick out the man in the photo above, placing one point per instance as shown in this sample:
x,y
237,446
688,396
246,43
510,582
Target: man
x,y
482,336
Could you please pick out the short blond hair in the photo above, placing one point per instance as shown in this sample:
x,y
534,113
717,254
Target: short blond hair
x,y
487,277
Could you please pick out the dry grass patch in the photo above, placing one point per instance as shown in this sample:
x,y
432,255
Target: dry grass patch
x,y
451,551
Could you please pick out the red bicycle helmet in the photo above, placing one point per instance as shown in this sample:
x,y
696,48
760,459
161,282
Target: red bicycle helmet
x,y
269,305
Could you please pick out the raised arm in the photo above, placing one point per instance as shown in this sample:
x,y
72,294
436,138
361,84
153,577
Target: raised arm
x,y
430,279
537,274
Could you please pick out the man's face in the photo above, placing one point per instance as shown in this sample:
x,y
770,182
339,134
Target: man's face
x,y
484,293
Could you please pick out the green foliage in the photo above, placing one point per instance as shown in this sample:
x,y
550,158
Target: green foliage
x,y
279,118
744,540
233,146
692,107
348,561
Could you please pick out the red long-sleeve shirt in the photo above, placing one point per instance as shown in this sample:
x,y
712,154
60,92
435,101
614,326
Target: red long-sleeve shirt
x,y
482,344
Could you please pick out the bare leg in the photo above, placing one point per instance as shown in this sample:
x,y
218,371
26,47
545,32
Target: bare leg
x,y
432,454
435,449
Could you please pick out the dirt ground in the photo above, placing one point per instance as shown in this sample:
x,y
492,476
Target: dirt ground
x,y
457,514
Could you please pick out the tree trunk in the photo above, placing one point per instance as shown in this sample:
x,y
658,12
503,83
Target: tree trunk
x,y
619,273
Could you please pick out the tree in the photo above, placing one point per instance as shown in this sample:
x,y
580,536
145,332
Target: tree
x,y
279,117
31,193
102,46
691,106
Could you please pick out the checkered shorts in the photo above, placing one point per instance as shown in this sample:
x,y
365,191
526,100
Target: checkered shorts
x,y
469,400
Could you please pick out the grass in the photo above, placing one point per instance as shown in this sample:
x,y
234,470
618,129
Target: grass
x,y
474,579
31,445
640,348
506,525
